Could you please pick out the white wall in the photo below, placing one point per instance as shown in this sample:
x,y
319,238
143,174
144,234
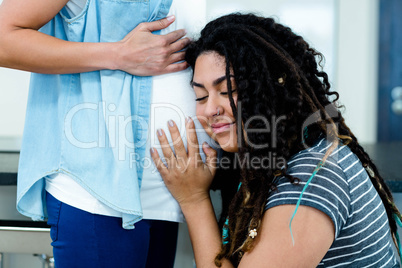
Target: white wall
x,y
357,70
351,56
13,99
315,20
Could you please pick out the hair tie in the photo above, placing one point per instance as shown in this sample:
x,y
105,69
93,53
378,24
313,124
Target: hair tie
x,y
281,80
252,233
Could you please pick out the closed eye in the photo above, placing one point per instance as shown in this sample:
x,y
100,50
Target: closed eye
x,y
226,93
200,99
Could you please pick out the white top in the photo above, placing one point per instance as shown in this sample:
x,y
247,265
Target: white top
x,y
74,7
172,98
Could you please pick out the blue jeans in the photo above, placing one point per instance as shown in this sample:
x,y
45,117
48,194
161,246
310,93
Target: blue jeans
x,y
82,239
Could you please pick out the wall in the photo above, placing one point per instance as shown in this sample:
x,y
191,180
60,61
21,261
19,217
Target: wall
x,y
13,98
357,71
351,56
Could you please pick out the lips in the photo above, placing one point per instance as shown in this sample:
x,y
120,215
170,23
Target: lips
x,y
221,127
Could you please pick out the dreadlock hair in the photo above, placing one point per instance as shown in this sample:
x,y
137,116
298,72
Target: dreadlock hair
x,y
277,76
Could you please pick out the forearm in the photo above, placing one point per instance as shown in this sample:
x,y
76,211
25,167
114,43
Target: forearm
x,y
139,53
42,53
204,233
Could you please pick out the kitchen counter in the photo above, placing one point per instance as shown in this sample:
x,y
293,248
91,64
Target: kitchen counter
x,y
9,156
18,234
8,181
388,159
8,167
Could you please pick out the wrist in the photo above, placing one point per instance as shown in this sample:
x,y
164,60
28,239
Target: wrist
x,y
124,57
111,56
195,203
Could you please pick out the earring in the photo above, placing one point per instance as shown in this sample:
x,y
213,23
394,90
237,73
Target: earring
x,y
218,113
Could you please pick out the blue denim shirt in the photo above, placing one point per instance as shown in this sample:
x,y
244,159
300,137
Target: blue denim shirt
x,y
91,126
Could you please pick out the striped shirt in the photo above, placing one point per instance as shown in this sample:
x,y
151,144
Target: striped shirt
x,y
342,190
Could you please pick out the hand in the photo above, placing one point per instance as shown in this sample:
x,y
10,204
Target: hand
x,y
143,53
186,176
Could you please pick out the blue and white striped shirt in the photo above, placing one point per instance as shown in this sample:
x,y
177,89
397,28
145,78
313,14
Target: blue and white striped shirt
x,y
342,190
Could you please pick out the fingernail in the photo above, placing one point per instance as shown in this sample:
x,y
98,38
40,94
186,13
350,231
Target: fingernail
x,y
206,145
171,123
188,119
152,150
160,132
170,18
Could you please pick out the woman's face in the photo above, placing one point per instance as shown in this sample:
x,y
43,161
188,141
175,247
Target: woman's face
x,y
213,104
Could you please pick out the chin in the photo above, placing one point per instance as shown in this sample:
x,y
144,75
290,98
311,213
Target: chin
x,y
223,140
228,146
230,149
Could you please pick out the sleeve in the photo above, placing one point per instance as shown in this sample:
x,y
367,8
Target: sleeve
x,y
328,191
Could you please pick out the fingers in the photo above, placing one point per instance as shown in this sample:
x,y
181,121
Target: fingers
x,y
158,24
175,61
192,141
211,157
163,170
179,45
175,67
174,36
176,57
166,149
178,145
146,54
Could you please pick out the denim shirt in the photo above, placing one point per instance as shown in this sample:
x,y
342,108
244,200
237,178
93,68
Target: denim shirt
x,y
91,126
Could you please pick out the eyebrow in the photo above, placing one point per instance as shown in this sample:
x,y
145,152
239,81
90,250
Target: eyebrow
x,y
214,83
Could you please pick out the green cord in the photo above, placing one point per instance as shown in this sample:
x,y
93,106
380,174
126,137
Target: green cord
x,y
398,221
320,164
225,228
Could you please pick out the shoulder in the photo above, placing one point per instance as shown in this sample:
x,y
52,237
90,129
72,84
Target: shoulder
x,y
343,167
303,164
326,189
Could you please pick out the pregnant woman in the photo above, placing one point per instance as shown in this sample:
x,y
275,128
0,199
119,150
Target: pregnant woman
x,y
106,73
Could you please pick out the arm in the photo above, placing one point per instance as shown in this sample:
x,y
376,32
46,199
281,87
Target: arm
x,y
204,233
139,53
188,179
313,233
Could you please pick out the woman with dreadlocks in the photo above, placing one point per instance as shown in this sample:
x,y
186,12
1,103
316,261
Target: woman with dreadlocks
x,y
319,201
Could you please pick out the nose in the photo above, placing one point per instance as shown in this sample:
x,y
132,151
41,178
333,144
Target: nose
x,y
213,107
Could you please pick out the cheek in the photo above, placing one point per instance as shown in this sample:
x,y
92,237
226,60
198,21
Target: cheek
x,y
228,108
202,118
199,111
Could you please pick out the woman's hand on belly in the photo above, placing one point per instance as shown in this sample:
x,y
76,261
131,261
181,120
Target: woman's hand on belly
x,y
143,53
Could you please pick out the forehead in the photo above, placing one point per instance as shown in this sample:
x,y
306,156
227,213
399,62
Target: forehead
x,y
209,65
